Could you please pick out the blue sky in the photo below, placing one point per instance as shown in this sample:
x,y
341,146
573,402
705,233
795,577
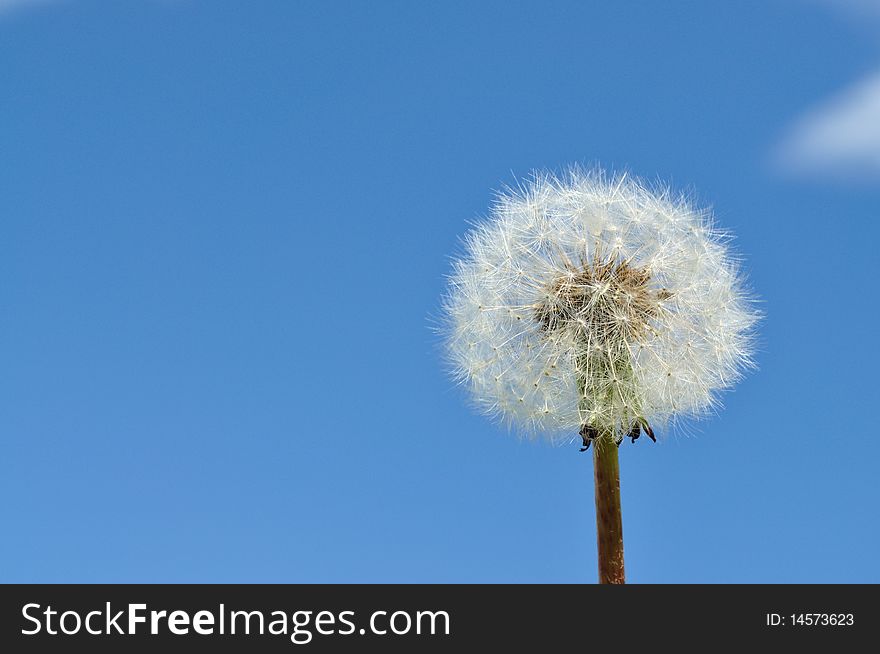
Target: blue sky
x,y
224,227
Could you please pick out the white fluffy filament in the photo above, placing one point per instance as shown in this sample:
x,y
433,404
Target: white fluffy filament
x,y
592,301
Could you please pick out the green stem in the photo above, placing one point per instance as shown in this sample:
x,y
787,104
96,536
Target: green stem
x,y
609,523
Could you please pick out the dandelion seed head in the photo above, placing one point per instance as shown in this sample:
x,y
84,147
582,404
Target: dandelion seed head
x,y
593,300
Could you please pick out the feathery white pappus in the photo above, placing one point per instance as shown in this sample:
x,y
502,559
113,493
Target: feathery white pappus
x,y
593,301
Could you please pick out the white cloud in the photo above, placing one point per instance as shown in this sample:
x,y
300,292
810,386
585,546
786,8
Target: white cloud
x,y
839,137
9,5
867,7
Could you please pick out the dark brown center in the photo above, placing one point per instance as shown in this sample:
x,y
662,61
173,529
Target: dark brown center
x,y
607,302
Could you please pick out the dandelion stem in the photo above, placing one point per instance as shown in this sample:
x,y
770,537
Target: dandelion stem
x,y
609,523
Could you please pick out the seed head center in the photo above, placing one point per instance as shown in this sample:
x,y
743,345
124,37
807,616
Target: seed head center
x,y
605,302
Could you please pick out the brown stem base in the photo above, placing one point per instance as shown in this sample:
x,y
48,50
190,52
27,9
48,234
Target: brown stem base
x,y
609,523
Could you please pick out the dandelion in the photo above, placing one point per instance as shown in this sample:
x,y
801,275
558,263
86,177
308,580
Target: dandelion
x,y
593,305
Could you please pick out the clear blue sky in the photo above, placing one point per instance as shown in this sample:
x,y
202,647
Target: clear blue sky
x,y
224,227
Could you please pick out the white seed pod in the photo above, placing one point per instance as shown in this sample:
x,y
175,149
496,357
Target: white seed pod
x,y
589,301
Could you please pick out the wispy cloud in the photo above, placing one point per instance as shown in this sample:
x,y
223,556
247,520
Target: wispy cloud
x,y
10,5
840,136
864,7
